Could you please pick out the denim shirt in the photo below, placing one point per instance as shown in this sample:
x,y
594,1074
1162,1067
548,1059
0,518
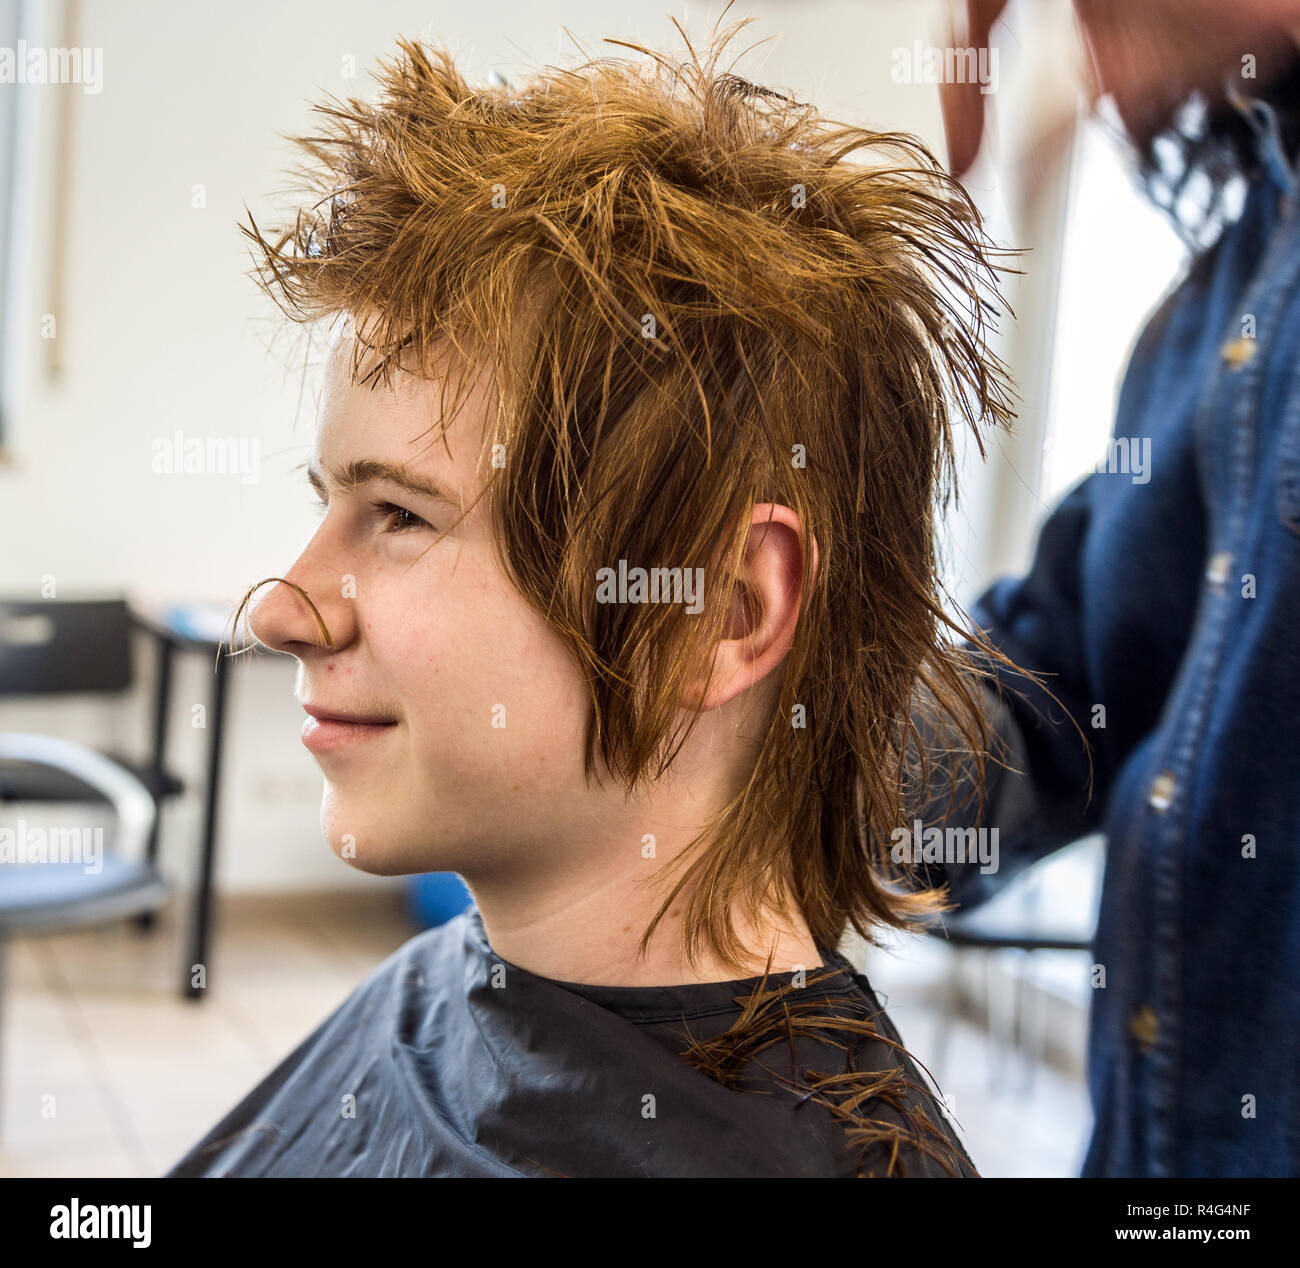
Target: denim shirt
x,y
1173,600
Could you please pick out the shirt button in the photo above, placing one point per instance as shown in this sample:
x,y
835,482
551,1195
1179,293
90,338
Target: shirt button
x,y
1220,563
1144,1026
1162,791
1236,352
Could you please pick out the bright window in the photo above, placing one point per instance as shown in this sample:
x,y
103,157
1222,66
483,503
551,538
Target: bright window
x,y
1120,256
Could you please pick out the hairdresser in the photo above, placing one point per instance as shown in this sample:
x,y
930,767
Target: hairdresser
x,y
1171,609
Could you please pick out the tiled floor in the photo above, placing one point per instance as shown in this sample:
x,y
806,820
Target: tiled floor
x,y
106,1071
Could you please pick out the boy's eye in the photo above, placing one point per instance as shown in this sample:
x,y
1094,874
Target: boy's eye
x,y
398,518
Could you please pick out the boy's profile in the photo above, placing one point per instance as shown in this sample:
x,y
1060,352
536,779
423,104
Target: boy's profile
x,y
638,411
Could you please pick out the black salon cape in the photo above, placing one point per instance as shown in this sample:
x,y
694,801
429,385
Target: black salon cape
x,y
448,1061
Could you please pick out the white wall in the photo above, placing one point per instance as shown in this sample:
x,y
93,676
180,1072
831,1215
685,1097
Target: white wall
x,y
160,329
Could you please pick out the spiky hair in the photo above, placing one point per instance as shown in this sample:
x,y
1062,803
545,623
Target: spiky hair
x,y
694,295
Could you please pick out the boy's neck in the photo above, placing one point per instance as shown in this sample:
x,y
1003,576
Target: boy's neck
x,y
592,936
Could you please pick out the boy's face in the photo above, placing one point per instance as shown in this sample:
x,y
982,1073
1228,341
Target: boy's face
x,y
472,752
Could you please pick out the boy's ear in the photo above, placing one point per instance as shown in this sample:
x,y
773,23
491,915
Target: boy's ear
x,y
764,613
746,611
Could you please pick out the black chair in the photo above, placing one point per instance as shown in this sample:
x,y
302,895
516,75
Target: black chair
x,y
50,647
57,648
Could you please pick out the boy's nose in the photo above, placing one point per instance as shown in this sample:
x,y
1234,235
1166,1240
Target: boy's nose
x,y
305,611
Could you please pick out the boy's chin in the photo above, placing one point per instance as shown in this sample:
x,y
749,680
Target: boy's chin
x,y
361,841
373,862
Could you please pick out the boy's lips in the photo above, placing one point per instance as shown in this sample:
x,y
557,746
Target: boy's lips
x,y
328,729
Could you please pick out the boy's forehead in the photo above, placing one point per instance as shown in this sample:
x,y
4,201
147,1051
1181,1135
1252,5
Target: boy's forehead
x,y
401,421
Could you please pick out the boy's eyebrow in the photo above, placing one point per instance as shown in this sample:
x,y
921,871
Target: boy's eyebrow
x,y
363,470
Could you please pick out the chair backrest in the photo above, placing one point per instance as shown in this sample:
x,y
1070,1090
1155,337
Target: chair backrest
x,y
51,646
132,802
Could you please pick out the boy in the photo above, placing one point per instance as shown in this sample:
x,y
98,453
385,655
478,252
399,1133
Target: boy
x,y
637,413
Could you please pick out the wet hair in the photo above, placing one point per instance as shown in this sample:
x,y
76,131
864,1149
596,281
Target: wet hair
x,y
693,294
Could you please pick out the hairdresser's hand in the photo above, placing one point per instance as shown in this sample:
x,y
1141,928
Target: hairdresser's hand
x,y
963,104
1144,53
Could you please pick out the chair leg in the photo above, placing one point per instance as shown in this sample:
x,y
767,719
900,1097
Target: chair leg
x,y
203,894
1041,1015
147,921
951,996
1025,1076
993,1028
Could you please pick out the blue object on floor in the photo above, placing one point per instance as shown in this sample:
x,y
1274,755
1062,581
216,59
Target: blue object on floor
x,y
437,897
